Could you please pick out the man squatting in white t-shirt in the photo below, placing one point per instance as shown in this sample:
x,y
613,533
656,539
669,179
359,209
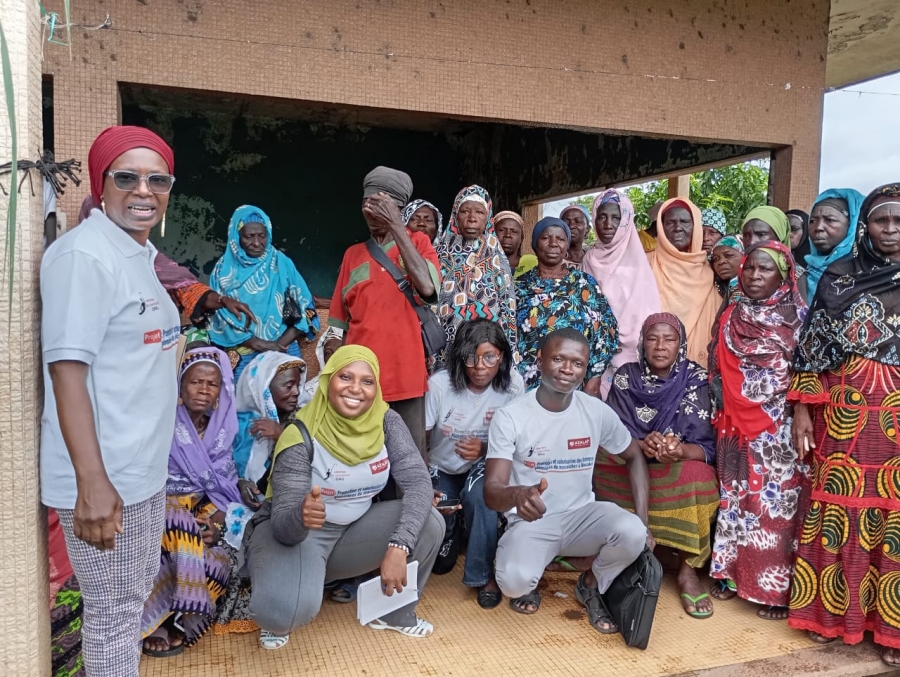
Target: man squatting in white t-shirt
x,y
541,452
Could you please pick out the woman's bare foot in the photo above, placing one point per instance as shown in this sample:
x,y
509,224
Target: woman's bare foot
x,y
721,591
890,657
773,613
819,639
161,644
694,598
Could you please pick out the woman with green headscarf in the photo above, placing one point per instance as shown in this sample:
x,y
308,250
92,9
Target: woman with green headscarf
x,y
770,223
320,522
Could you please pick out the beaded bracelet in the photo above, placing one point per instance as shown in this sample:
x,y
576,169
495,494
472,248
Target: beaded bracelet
x,y
399,546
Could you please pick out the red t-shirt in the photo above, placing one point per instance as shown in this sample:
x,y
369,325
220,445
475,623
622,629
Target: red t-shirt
x,y
374,313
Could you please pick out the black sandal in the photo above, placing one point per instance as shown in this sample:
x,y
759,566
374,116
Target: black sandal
x,y
597,612
488,599
519,604
163,653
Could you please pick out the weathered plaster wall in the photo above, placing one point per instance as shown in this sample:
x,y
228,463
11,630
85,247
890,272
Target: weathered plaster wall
x,y
714,70
24,623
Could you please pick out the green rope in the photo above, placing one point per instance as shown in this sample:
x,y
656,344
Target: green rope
x,y
10,253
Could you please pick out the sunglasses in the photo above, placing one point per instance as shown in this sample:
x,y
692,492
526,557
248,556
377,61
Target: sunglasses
x,y
125,179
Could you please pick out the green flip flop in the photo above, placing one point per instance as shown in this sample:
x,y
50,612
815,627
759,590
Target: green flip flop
x,y
564,563
693,600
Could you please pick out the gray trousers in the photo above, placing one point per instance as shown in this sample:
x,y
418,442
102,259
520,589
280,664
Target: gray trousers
x,y
412,412
115,584
615,536
288,579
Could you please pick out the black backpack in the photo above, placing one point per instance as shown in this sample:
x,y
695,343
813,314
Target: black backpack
x,y
631,599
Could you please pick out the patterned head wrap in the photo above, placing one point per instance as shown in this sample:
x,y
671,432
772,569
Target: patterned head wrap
x,y
196,356
415,206
476,281
730,241
714,218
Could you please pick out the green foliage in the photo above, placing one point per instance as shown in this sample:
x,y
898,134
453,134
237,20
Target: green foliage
x,y
735,190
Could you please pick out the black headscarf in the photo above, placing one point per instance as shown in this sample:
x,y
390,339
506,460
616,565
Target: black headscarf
x,y
856,305
802,249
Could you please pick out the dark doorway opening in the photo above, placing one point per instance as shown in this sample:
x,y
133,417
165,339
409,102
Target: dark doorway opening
x,y
304,162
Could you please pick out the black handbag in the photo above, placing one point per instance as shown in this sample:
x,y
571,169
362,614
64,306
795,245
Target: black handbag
x,y
631,599
290,311
433,337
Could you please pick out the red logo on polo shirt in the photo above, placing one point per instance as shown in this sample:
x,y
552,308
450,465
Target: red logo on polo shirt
x,y
580,443
153,337
530,464
327,492
379,466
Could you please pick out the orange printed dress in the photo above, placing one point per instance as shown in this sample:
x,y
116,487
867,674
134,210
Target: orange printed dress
x,y
847,575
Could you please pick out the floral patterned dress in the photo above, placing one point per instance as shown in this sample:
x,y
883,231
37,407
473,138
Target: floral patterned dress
x,y
575,301
764,486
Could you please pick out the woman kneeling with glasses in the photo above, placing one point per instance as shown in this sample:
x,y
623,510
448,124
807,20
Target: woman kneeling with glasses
x,y
459,405
321,523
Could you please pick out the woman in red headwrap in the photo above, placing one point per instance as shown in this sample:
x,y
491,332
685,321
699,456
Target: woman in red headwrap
x,y
109,337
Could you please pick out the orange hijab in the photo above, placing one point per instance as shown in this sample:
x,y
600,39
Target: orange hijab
x,y
685,282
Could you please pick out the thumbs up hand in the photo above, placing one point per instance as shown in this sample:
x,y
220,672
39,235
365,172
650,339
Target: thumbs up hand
x,y
313,509
529,504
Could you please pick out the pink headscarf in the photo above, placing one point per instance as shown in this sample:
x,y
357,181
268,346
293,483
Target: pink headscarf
x,y
625,277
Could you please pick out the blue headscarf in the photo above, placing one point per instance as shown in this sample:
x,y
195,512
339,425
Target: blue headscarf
x,y
261,284
816,263
546,223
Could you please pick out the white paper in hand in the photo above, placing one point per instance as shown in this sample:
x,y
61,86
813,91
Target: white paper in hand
x,y
372,603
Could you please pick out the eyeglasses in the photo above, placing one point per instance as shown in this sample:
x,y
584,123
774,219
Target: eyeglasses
x,y
127,180
490,360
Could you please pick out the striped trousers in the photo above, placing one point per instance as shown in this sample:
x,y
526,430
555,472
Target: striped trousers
x,y
114,586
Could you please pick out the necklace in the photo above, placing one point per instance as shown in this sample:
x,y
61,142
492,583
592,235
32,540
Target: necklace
x,y
201,426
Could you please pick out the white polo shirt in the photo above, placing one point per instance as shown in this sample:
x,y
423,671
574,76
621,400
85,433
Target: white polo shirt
x,y
103,305
559,446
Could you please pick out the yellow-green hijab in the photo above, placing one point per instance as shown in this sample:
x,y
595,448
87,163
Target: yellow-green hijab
x,y
350,440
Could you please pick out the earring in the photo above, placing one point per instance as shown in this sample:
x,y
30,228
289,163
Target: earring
x,y
216,405
162,230
180,402
102,206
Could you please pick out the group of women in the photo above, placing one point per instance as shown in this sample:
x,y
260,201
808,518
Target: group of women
x,y
759,372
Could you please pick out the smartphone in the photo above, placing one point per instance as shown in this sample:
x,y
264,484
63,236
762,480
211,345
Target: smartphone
x,y
448,504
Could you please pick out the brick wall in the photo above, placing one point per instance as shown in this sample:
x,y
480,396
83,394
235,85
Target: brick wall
x,y
712,70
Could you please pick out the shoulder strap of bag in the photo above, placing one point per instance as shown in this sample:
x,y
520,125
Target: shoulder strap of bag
x,y
307,438
399,278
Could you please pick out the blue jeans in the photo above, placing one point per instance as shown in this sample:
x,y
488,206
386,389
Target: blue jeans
x,y
481,522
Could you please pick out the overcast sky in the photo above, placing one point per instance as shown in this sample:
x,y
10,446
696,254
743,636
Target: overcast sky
x,y
860,138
